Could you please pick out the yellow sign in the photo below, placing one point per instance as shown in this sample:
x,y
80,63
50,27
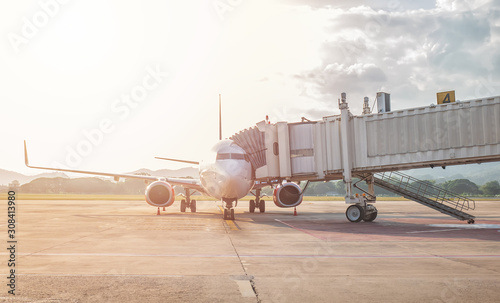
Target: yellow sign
x,y
446,97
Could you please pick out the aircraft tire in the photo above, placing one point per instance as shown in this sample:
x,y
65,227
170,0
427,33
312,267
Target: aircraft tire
x,y
262,206
232,214
370,217
193,206
225,214
251,206
354,213
183,206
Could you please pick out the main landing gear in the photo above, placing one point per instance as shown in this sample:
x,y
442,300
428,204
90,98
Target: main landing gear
x,y
257,203
358,212
228,210
188,203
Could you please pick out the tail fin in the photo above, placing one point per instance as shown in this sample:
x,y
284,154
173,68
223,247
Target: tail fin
x,y
220,119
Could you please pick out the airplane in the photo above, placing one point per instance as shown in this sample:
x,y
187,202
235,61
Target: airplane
x,y
226,175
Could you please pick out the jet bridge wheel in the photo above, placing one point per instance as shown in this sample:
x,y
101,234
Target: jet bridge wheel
x,y
183,206
355,213
370,213
370,217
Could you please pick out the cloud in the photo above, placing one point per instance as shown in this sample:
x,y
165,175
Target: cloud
x,y
411,54
391,5
461,5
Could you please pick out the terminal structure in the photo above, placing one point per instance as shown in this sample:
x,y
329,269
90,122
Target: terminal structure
x,y
373,148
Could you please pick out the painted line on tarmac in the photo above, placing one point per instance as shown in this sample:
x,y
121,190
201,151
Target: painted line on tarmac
x,y
299,229
375,256
468,226
430,231
232,225
102,275
254,256
120,255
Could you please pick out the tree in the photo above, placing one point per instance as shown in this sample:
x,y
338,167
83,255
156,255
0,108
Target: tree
x,y
491,188
462,187
320,189
44,186
339,188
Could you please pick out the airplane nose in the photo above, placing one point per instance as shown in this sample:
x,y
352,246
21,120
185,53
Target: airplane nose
x,y
233,186
234,182
227,179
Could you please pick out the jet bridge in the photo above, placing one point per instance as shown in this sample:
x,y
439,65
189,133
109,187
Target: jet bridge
x,y
345,145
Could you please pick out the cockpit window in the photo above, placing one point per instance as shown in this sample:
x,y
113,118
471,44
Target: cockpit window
x,y
225,156
238,156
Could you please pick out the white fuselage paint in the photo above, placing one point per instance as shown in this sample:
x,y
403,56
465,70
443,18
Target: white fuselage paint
x,y
226,174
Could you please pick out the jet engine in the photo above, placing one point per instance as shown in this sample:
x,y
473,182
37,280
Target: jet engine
x,y
287,195
160,194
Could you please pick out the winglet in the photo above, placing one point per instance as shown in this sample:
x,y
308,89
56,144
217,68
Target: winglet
x,y
26,155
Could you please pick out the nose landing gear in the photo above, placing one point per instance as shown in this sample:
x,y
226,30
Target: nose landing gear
x,y
228,211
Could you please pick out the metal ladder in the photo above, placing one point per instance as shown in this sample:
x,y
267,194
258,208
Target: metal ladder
x,y
426,194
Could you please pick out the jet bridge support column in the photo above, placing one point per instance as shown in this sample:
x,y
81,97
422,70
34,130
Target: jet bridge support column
x,y
359,210
346,159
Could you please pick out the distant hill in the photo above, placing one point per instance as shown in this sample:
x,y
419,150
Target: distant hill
x,y
86,185
477,173
173,173
7,176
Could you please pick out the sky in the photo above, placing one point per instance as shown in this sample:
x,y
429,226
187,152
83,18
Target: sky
x,y
109,85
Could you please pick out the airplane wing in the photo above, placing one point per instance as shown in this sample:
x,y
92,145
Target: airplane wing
x,y
188,183
177,160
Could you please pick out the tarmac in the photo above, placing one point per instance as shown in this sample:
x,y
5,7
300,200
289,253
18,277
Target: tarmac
x,y
111,251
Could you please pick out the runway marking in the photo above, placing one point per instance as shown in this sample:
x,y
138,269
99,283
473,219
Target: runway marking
x,y
299,229
103,275
232,225
253,256
430,231
121,255
468,226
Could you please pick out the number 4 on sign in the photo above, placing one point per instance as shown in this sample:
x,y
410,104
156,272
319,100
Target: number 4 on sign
x,y
447,99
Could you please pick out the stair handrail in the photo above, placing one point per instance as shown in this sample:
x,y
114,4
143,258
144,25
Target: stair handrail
x,y
448,197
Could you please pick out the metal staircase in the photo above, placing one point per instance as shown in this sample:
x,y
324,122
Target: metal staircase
x,y
426,194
